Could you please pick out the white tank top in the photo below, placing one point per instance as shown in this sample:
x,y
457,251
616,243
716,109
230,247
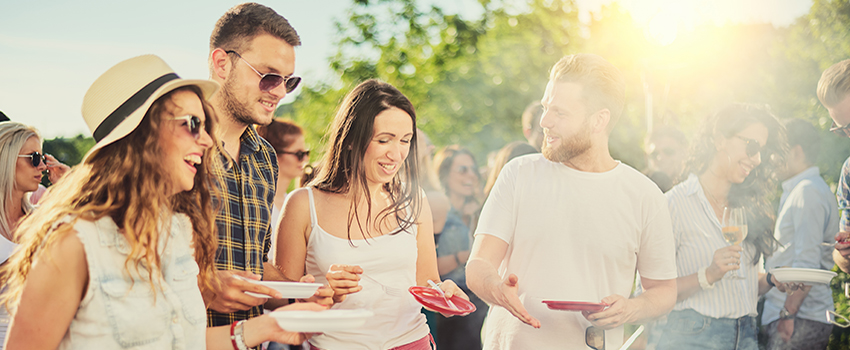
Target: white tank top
x,y
390,259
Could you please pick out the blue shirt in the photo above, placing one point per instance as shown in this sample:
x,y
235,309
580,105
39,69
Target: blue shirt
x,y
455,238
808,216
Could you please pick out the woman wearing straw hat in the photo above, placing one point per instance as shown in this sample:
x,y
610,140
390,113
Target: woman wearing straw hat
x,y
114,257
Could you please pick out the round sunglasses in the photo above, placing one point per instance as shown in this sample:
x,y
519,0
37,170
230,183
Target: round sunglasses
x,y
270,81
194,124
35,158
300,154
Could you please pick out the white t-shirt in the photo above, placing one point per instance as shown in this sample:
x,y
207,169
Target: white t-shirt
x,y
572,236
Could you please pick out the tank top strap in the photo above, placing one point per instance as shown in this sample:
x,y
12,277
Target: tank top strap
x,y
313,219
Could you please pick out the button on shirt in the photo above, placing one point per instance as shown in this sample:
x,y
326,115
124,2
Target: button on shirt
x,y
697,233
243,220
808,216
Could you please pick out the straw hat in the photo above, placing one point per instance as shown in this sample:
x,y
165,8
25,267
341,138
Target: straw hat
x,y
117,101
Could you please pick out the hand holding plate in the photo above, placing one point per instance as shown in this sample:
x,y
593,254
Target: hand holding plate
x,y
344,280
230,294
324,295
620,312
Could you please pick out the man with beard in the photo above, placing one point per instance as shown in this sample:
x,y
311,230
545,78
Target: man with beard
x,y
252,56
572,224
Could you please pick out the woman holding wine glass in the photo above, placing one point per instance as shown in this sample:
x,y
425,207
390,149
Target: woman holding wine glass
x,y
723,225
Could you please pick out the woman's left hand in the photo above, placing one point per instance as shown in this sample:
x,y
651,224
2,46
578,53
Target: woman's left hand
x,y
55,168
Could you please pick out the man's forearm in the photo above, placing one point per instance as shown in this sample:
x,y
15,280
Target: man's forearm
x,y
795,299
483,279
655,302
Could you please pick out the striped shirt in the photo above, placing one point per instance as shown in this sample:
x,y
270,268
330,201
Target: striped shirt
x,y
243,220
697,233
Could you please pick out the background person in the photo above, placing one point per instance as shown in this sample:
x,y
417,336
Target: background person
x,y
368,231
733,165
458,175
287,139
115,257
834,94
577,208
808,216
531,125
666,153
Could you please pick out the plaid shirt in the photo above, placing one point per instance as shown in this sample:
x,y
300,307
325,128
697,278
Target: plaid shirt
x,y
243,220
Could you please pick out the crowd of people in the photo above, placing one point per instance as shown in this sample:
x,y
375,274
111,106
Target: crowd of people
x,y
193,190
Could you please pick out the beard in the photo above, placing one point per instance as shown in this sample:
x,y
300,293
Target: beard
x,y
236,109
569,148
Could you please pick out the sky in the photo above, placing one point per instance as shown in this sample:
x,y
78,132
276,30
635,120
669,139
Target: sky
x,y
51,51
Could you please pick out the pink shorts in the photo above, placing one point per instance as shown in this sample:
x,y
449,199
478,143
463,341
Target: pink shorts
x,y
426,343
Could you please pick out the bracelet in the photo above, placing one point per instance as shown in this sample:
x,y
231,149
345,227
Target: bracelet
x,y
703,281
237,335
769,278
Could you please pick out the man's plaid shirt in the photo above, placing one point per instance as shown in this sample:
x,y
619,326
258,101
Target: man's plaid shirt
x,y
243,220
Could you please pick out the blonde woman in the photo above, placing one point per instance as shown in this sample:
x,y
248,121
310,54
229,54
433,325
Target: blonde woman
x,y
114,256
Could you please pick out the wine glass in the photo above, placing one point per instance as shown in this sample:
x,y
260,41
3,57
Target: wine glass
x,y
734,230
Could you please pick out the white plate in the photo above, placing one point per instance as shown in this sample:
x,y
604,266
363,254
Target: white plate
x,y
321,321
793,274
296,290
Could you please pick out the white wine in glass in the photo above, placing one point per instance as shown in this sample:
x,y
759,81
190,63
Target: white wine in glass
x,y
734,230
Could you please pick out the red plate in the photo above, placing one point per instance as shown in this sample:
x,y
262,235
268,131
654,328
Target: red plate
x,y
431,298
575,305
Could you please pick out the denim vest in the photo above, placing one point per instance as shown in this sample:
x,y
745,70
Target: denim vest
x,y
123,312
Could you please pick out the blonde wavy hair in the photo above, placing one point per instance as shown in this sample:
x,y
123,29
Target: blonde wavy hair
x,y
126,182
13,135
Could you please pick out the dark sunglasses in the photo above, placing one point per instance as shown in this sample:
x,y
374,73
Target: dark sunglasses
x,y
194,124
594,337
36,158
843,131
300,154
753,146
270,81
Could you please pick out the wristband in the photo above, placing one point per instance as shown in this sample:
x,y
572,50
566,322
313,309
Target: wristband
x,y
769,279
237,335
703,282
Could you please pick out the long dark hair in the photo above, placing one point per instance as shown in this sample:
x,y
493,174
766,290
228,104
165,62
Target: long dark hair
x,y
348,138
753,193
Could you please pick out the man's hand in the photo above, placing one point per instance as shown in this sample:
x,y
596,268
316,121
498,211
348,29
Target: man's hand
x,y
230,294
842,244
785,328
507,297
725,259
620,312
344,280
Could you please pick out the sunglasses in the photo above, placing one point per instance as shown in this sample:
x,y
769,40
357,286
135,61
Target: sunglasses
x,y
594,337
36,158
843,131
300,154
753,146
194,124
270,81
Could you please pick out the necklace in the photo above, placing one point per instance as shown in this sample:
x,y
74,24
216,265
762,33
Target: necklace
x,y
714,199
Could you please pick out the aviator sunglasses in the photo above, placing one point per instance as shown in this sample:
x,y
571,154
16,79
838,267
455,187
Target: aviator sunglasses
x,y
300,154
36,158
194,124
753,146
270,81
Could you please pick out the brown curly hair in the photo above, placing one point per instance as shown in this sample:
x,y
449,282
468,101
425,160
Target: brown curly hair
x,y
126,182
